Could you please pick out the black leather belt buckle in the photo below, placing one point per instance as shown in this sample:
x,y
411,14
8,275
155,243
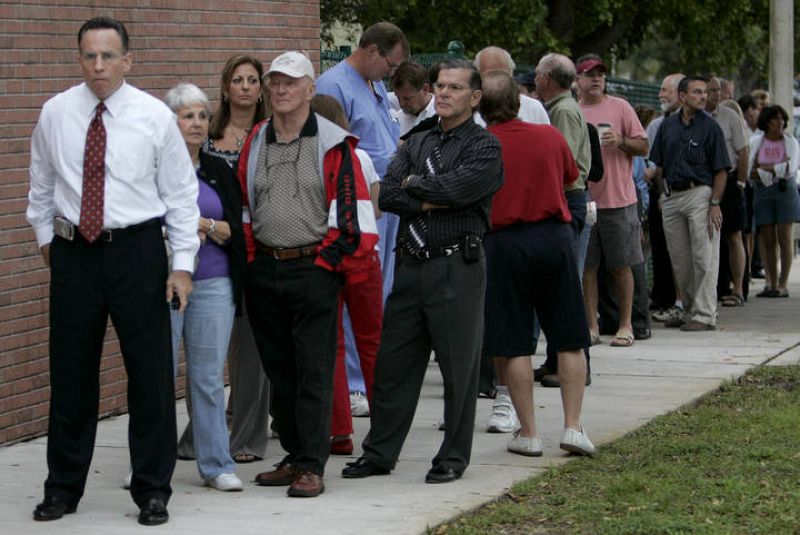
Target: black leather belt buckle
x,y
681,185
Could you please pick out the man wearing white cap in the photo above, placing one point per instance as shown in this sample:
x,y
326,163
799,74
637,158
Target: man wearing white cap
x,y
306,230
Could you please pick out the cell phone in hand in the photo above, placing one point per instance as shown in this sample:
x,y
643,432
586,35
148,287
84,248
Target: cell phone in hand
x,y
175,304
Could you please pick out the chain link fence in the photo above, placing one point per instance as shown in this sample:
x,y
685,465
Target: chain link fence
x,y
634,91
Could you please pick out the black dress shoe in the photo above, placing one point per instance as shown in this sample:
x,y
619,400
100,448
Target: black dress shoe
x,y
363,467
52,508
641,334
552,380
541,372
154,513
441,474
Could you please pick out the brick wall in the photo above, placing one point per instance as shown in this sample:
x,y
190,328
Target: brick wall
x,y
171,41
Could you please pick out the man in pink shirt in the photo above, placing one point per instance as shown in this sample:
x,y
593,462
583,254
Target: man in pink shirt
x,y
616,237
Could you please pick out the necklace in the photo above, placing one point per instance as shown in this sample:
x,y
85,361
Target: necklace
x,y
239,138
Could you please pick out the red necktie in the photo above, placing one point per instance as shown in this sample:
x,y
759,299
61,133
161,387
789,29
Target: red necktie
x,y
94,172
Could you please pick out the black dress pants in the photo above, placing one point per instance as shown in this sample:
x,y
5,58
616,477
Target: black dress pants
x,y
663,292
435,304
293,308
126,280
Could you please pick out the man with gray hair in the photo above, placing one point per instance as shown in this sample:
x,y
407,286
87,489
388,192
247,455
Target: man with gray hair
x,y
292,168
734,218
555,74
664,294
503,419
493,58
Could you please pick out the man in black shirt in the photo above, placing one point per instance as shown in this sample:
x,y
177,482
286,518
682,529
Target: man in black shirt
x,y
692,161
440,183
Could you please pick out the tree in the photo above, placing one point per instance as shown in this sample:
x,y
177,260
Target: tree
x,y
526,28
706,36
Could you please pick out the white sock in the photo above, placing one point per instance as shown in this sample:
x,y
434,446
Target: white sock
x,y
502,389
679,304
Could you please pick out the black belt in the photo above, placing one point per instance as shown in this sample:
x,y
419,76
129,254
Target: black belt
x,y
574,192
289,253
70,231
681,185
431,252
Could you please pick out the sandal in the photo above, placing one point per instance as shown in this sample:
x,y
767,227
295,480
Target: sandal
x,y
594,339
622,339
781,293
244,458
769,292
732,300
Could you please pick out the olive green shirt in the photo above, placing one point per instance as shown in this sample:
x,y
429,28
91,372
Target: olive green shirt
x,y
568,118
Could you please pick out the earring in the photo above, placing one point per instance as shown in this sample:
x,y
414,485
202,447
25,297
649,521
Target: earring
x,y
259,99
226,99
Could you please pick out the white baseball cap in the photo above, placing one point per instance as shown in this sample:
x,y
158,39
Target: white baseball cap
x,y
292,63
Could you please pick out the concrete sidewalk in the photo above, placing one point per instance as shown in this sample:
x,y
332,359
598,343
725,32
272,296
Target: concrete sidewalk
x,y
630,386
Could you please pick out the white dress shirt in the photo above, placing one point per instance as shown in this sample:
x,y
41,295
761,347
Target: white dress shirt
x,y
406,120
148,174
530,110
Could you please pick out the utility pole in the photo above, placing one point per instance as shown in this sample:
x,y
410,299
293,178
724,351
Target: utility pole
x,y
781,55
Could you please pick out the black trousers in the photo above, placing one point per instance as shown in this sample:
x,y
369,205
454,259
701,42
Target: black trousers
x,y
293,308
607,307
434,305
126,280
663,292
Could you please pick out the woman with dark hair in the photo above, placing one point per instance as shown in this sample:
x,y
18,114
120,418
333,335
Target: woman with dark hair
x,y
243,103
205,325
774,158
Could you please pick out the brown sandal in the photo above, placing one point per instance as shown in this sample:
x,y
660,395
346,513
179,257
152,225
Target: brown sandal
x,y
732,300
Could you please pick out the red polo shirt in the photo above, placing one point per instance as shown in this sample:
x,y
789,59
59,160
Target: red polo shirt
x,y
537,164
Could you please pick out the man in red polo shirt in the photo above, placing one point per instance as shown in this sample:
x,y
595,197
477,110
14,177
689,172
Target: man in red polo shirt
x,y
532,266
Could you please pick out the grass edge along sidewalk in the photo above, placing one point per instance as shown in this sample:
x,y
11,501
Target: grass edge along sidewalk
x,y
728,463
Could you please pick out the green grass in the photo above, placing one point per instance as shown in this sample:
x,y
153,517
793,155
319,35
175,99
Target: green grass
x,y
728,464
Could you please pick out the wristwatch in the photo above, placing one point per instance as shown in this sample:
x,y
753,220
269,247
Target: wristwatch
x,y
714,202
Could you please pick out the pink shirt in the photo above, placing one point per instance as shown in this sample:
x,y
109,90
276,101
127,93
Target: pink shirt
x,y
772,152
616,189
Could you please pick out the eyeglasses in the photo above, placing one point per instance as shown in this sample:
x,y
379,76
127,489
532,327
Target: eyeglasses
x,y
392,67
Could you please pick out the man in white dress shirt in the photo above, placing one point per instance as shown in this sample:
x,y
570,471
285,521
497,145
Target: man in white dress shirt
x,y
108,164
412,99
493,58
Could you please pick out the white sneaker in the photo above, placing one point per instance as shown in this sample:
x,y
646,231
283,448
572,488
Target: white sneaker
x,y
504,417
529,446
672,312
577,442
225,482
359,406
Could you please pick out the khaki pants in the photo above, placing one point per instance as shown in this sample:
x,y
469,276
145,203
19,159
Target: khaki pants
x,y
694,255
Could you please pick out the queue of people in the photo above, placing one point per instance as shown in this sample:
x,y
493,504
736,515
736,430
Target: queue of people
x,y
293,232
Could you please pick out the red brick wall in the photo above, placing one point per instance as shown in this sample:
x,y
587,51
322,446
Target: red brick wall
x,y
171,41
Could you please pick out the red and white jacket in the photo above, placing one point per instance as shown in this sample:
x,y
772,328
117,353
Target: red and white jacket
x,y
352,231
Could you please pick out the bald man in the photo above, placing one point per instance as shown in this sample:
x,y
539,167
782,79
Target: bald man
x,y
664,294
493,58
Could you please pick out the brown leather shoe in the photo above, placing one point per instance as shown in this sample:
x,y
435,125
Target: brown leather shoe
x,y
694,326
307,485
283,475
